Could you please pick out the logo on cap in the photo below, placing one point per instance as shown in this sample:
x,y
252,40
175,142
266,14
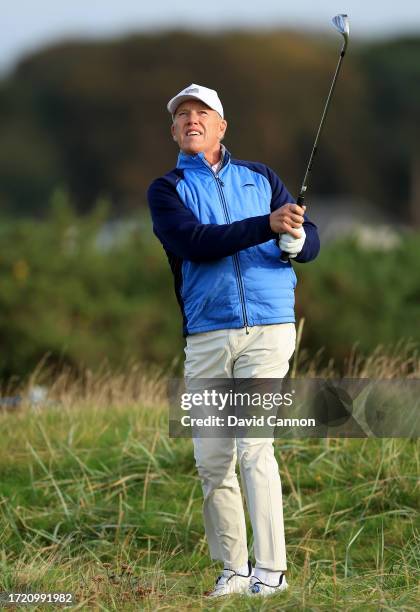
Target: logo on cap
x,y
193,90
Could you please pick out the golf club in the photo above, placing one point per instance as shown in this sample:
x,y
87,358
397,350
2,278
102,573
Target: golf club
x,y
341,23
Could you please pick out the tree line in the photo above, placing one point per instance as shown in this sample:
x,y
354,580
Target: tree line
x,y
91,117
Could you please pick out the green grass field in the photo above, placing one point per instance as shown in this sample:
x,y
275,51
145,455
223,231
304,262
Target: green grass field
x,y
96,500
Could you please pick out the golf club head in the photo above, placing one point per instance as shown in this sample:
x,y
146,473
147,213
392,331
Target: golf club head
x,y
341,23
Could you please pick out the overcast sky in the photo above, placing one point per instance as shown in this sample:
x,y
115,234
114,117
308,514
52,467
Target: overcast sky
x,y
28,25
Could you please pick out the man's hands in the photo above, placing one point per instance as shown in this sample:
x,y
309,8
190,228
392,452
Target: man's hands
x,y
288,218
290,245
287,221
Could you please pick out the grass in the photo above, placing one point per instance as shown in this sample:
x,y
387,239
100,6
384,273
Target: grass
x,y
96,500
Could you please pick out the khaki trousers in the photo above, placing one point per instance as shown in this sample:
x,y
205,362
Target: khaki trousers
x,y
231,353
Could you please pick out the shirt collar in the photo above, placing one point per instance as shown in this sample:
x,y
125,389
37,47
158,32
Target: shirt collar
x,y
185,160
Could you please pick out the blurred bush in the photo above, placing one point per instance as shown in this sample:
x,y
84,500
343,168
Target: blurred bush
x,y
64,296
357,295
83,301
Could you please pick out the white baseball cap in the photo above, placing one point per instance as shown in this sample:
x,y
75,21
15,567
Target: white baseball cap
x,y
196,92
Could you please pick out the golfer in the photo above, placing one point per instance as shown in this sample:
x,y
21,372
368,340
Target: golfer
x,y
219,220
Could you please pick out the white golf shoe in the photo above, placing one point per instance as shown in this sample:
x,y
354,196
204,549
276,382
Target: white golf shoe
x,y
258,588
230,582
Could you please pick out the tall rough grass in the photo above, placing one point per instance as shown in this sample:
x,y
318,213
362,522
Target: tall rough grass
x,y
96,500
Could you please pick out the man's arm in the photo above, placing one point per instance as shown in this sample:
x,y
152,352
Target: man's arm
x,y
311,245
181,232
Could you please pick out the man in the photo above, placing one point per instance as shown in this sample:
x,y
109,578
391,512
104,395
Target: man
x,y
219,220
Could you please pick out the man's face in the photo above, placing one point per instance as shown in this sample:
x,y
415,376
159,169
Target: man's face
x,y
197,128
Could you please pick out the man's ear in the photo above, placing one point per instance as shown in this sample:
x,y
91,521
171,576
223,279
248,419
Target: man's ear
x,y
173,132
223,128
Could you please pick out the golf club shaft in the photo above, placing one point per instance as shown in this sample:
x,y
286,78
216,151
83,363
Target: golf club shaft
x,y
301,198
321,125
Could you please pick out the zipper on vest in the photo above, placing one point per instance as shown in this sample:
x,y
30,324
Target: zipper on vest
x,y
220,184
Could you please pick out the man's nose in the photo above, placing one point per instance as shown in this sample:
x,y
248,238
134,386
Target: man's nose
x,y
193,118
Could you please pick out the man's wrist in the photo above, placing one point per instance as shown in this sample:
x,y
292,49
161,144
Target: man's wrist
x,y
271,232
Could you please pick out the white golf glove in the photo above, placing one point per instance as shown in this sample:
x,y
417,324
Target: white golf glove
x,y
291,245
